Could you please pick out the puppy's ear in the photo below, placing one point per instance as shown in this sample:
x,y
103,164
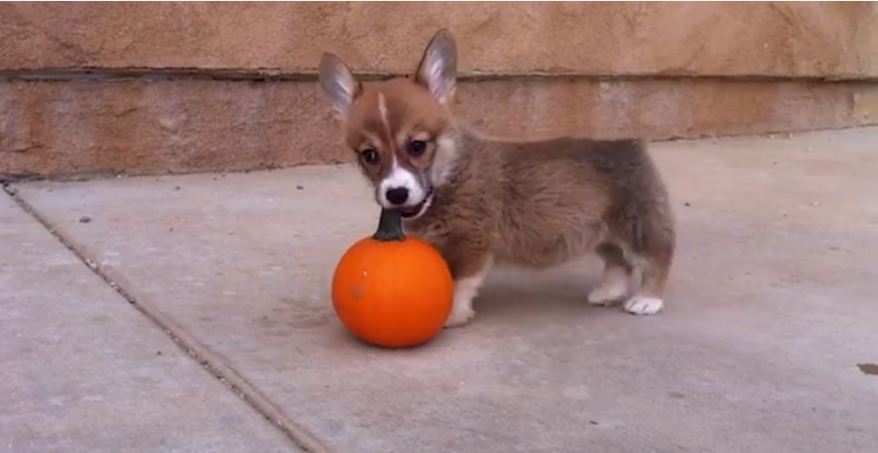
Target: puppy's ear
x,y
438,68
338,84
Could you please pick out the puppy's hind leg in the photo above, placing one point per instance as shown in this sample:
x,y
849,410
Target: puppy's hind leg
x,y
648,300
653,262
616,277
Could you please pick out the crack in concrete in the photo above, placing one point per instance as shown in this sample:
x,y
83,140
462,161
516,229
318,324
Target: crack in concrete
x,y
209,361
22,149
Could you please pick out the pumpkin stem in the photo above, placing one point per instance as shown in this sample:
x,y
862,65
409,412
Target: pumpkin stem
x,y
390,226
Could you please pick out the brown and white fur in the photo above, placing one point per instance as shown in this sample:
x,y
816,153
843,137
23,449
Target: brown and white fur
x,y
483,202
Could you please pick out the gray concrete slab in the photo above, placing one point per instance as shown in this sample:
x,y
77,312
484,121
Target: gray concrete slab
x,y
83,370
770,309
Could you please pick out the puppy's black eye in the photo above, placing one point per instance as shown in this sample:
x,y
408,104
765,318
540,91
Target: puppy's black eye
x,y
417,147
369,155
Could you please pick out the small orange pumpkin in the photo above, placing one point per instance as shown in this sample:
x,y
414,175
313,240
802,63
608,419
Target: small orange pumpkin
x,y
391,290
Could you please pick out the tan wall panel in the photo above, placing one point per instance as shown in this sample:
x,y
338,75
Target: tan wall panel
x,y
777,39
136,127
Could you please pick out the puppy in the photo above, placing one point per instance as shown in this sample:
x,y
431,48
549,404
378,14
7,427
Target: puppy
x,y
484,201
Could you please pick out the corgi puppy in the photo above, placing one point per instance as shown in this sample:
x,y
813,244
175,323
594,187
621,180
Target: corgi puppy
x,y
484,201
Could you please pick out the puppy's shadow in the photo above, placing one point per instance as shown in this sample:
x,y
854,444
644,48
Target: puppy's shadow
x,y
516,292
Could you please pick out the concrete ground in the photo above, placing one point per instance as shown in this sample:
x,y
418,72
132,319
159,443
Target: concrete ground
x,y
192,313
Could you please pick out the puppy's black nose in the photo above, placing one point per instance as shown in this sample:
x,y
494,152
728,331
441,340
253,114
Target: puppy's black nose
x,y
397,195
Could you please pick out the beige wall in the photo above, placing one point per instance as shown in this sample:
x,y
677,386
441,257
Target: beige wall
x,y
778,39
131,87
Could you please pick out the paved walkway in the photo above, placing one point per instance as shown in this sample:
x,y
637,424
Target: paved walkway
x,y
192,313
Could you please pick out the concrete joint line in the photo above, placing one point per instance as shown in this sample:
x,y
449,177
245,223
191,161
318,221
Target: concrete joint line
x,y
209,361
70,74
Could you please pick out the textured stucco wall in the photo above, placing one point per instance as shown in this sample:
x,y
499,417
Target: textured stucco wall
x,y
195,125
781,39
144,88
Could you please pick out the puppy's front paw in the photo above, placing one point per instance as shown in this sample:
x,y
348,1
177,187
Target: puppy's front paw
x,y
464,291
644,305
459,317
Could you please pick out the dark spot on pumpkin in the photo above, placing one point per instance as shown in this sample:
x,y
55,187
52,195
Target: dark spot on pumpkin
x,y
357,292
868,368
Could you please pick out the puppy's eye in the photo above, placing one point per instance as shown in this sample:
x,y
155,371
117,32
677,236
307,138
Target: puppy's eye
x,y
369,155
417,147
